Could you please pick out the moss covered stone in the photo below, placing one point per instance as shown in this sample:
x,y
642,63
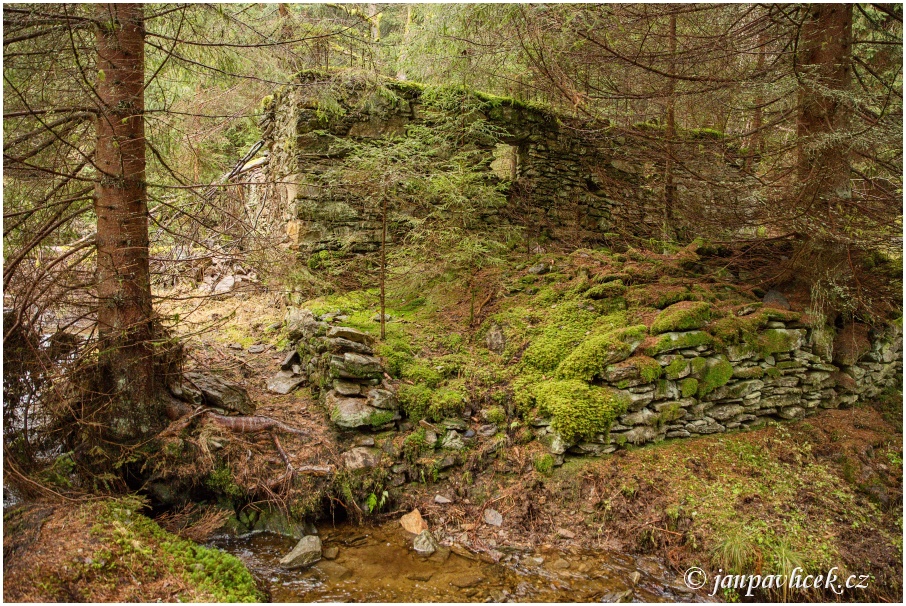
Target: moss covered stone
x,y
672,341
606,290
677,369
578,410
717,373
689,387
686,315
775,340
590,359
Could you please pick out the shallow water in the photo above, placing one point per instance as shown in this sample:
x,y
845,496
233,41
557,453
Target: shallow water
x,y
379,565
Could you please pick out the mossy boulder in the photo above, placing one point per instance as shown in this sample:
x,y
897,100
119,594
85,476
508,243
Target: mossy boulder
x,y
592,356
686,315
579,410
350,413
606,290
356,366
689,387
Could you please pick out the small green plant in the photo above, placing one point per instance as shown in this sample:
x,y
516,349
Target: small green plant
x,y
544,464
375,503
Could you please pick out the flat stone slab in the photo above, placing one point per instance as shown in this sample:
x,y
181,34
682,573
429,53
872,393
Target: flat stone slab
x,y
351,334
218,393
284,382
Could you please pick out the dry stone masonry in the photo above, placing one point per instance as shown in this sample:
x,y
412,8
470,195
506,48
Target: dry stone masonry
x,y
679,384
569,179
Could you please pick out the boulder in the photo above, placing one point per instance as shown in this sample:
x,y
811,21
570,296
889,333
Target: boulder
x,y
424,543
347,388
284,382
306,552
341,345
301,323
351,334
383,399
356,366
217,393
350,412
413,522
225,285
291,359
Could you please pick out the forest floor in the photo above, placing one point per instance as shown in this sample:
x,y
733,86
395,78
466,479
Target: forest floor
x,y
821,492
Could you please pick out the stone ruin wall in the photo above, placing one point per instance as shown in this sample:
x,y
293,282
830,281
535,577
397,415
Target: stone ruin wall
x,y
574,180
603,183
788,370
792,371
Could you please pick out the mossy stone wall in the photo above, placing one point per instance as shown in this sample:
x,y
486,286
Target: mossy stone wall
x,y
570,179
780,369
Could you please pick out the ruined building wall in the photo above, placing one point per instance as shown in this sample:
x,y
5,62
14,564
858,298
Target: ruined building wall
x,y
572,180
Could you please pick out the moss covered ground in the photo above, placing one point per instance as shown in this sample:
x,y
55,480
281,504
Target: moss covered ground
x,y
106,551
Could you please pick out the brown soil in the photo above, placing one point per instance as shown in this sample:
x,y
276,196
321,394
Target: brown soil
x,y
631,501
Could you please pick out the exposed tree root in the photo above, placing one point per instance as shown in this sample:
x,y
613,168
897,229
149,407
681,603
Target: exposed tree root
x,y
252,424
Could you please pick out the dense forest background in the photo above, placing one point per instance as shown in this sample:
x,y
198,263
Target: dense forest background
x,y
810,96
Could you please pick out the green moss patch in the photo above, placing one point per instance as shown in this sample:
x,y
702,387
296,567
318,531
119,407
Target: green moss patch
x,y
421,402
105,551
682,316
689,387
606,290
591,358
578,410
672,341
717,373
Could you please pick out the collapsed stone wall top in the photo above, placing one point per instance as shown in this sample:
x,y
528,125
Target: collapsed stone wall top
x,y
570,178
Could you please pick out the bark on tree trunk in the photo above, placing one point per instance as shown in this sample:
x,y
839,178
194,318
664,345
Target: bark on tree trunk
x,y
123,276
824,71
669,185
756,142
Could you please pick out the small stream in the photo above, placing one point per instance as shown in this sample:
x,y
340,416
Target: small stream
x,y
379,565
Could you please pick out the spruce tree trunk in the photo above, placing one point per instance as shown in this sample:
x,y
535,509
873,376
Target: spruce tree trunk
x,y
123,276
668,232
824,69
